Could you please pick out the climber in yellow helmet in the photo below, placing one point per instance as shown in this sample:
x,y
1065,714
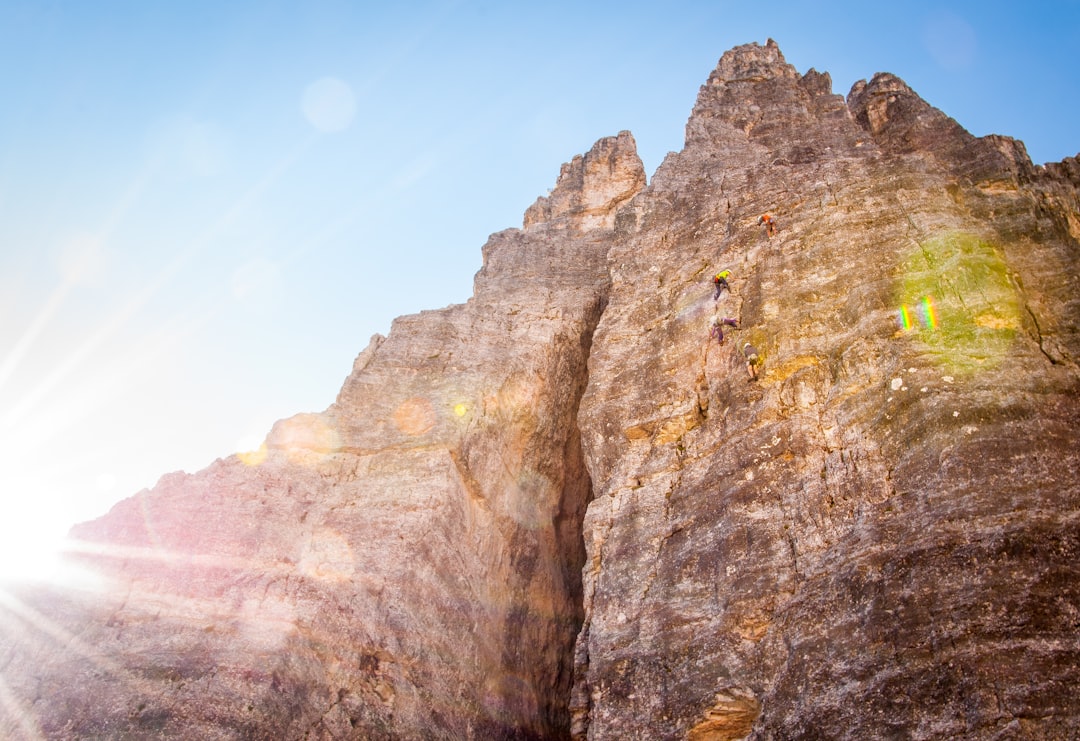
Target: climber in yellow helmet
x,y
720,281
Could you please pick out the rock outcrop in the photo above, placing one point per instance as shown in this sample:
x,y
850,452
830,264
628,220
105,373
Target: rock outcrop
x,y
563,510
878,537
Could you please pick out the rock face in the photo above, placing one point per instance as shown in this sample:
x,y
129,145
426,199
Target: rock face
x,y
407,563
878,537
563,510
591,189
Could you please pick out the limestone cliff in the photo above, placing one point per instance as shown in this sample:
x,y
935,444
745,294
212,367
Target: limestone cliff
x,y
563,509
878,537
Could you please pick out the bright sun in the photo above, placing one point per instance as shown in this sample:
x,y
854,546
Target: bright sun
x,y
43,495
36,512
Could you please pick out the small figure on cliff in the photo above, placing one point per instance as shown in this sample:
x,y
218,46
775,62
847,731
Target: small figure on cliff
x,y
770,224
720,281
718,327
753,360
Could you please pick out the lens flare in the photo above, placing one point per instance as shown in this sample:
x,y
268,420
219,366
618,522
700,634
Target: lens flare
x,y
305,438
958,303
253,458
329,104
928,317
905,319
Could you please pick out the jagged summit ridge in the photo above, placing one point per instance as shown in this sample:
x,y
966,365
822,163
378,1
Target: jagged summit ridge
x,y
563,509
754,95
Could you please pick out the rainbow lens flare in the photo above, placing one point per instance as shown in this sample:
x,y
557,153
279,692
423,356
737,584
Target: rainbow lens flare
x,y
957,302
905,319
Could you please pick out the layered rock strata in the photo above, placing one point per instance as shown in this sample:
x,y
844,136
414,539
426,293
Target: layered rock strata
x,y
406,564
563,509
878,538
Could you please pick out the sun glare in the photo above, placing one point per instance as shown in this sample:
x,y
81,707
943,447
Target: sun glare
x,y
30,547
42,481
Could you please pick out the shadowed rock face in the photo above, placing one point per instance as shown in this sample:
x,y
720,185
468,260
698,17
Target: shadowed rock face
x,y
560,509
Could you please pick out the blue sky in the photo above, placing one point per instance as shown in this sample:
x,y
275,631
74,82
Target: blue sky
x,y
207,209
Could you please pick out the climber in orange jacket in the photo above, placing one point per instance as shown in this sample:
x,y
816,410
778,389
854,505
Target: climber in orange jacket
x,y
770,224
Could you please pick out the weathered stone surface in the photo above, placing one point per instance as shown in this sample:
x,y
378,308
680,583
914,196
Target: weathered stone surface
x,y
405,564
591,189
879,537
561,510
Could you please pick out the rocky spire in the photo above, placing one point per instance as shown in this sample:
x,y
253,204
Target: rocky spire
x,y
591,189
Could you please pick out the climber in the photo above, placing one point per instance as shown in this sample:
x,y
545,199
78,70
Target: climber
x,y
720,281
770,224
718,327
753,360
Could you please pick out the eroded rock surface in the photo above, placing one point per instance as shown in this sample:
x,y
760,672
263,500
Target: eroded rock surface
x,y
877,538
405,564
562,509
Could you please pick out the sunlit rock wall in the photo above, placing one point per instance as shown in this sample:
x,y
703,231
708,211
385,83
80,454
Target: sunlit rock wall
x,y
877,538
563,509
405,564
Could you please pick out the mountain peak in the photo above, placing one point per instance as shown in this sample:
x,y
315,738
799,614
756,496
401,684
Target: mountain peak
x,y
591,188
